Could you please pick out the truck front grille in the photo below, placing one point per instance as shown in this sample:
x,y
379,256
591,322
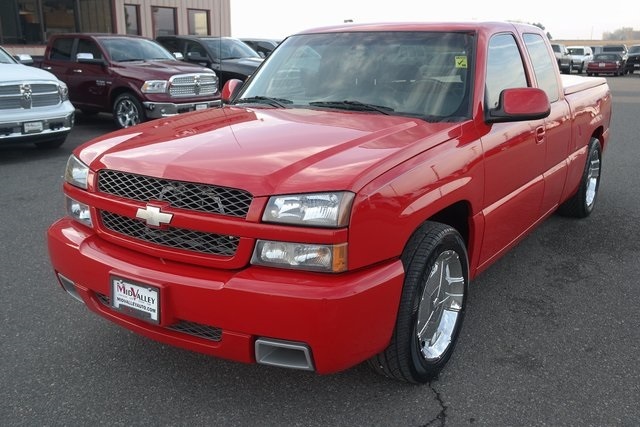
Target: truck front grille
x,y
179,194
174,238
189,85
28,95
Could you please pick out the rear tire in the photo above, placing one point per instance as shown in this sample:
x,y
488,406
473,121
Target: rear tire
x,y
581,204
432,306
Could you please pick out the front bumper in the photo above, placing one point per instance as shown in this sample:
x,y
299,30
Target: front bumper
x,y
37,124
343,319
156,110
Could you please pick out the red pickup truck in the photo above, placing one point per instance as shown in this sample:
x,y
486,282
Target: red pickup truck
x,y
337,207
132,77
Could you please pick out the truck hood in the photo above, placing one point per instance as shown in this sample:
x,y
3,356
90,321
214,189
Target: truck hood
x,y
268,151
158,69
23,73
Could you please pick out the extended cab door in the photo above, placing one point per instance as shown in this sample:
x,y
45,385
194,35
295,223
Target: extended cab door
x,y
514,156
558,127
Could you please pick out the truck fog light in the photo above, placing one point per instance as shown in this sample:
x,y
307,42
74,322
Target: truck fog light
x,y
79,211
301,256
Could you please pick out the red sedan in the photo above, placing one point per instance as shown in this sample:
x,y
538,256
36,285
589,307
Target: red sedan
x,y
606,63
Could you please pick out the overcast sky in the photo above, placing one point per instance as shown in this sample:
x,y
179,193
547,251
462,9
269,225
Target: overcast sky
x,y
563,19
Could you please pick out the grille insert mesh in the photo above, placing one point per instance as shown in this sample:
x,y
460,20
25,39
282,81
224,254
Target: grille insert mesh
x,y
179,194
176,238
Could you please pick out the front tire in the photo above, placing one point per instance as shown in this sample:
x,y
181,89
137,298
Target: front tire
x,y
581,204
127,111
432,306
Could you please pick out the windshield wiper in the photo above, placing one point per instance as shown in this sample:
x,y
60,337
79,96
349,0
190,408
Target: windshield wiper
x,y
353,106
274,102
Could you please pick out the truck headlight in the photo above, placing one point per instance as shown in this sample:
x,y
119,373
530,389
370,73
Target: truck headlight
x,y
76,172
301,256
155,86
79,211
63,90
315,210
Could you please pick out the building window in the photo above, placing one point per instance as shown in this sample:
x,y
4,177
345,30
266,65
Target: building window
x,y
31,26
59,16
132,19
94,16
198,22
164,21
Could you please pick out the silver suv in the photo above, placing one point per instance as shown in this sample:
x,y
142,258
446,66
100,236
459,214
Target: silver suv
x,y
34,105
565,63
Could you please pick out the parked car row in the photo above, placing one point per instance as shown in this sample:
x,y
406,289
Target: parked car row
x,y
613,59
133,78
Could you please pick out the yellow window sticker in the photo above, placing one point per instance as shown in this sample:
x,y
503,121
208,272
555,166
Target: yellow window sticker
x,y
461,62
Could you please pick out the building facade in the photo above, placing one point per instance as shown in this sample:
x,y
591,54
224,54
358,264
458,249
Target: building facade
x,y
25,25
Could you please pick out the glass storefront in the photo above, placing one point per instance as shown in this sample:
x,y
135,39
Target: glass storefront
x,y
33,21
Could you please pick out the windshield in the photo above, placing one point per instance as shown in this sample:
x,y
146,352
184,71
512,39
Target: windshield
x,y
133,49
613,49
607,57
421,74
230,48
634,49
576,51
5,58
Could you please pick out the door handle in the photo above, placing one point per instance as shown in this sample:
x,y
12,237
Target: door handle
x,y
46,67
77,70
540,134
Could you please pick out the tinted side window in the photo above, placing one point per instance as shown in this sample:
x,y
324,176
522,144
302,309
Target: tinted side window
x,y
88,46
171,45
195,48
504,68
544,65
61,49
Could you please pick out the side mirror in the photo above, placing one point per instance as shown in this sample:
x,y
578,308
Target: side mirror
x,y
230,90
87,58
179,56
24,58
520,104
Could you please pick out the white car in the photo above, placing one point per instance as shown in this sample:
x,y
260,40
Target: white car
x,y
34,105
580,57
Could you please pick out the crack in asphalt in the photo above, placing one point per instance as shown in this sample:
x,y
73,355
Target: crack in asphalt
x,y
441,418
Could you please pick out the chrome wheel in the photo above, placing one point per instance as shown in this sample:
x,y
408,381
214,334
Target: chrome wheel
x,y
440,306
593,175
127,111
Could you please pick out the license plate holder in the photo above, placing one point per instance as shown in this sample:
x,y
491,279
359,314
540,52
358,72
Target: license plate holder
x,y
136,299
32,127
201,107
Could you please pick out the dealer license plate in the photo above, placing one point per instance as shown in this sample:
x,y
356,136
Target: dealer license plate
x,y
201,106
33,127
135,299
602,65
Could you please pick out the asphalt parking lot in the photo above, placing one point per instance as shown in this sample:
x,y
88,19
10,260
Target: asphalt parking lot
x,y
552,335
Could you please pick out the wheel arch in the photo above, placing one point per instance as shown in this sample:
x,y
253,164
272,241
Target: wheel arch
x,y
116,92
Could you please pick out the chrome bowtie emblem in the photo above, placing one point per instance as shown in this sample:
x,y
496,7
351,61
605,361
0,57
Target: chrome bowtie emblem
x,y
153,216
